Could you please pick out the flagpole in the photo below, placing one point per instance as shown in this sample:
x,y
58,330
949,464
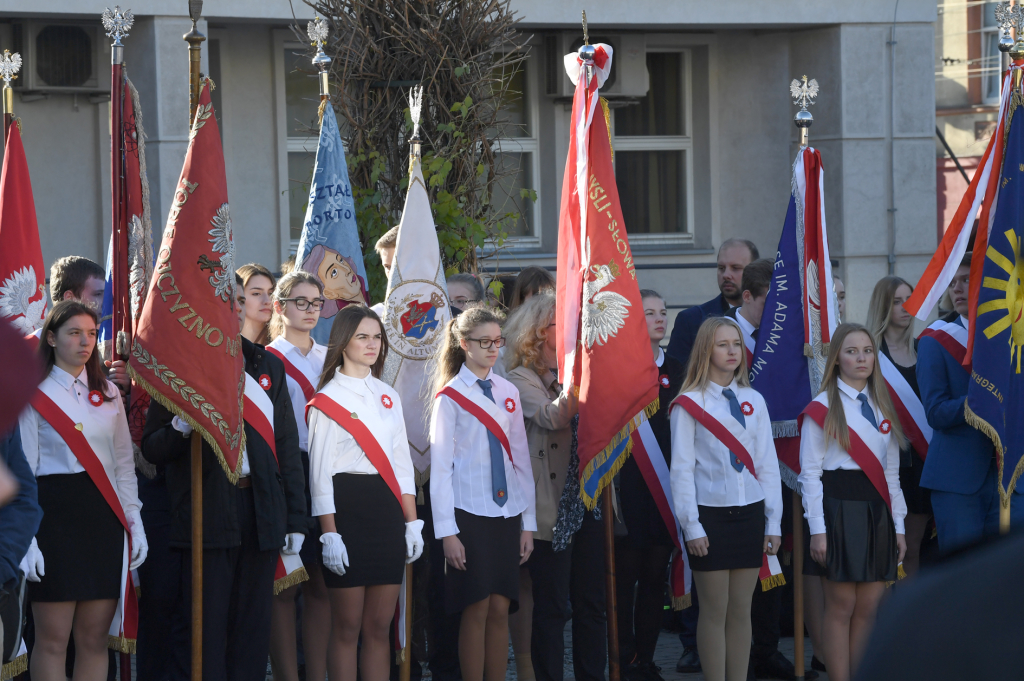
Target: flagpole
x,y
608,516
10,64
195,40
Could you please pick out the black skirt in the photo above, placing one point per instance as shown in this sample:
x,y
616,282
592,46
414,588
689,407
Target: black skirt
x,y
859,532
492,562
372,525
919,499
735,537
81,540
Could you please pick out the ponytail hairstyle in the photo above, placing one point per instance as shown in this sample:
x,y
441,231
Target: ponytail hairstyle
x,y
345,325
284,290
835,421
247,272
60,315
698,369
449,357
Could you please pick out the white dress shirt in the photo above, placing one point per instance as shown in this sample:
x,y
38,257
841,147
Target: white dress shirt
x,y
816,455
702,472
311,365
333,450
460,457
105,427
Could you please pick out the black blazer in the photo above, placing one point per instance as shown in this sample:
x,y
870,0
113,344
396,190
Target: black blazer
x,y
278,485
684,330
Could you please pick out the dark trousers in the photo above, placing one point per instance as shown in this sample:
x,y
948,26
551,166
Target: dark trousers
x,y
765,613
587,596
641,573
962,519
443,628
550,572
163,643
238,585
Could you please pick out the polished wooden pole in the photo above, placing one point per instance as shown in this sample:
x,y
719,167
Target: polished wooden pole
x,y
798,586
608,516
197,556
405,669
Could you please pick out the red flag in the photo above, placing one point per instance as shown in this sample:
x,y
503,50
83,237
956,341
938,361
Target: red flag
x,y
604,350
22,278
186,351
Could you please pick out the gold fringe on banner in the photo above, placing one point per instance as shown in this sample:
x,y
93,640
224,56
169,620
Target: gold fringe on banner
x,y
602,456
608,124
682,602
121,644
772,581
290,580
15,667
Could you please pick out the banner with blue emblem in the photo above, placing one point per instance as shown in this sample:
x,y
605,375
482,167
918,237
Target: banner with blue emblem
x,y
329,246
995,397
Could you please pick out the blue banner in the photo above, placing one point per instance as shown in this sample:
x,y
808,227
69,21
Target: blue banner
x,y
779,371
107,311
995,398
329,246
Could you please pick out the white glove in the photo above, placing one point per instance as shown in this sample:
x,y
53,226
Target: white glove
x,y
413,540
32,563
335,553
293,543
140,547
181,425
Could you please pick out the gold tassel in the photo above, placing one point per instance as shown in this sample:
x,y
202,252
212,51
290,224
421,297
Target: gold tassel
x,y
682,602
608,124
400,656
15,667
320,110
121,644
290,580
900,572
772,581
808,350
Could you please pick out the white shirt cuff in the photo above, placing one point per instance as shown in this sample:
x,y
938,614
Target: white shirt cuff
x,y
529,523
694,531
898,523
445,528
773,529
817,525
323,505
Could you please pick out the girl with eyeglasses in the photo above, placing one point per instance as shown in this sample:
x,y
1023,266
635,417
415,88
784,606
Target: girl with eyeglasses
x,y
481,489
298,300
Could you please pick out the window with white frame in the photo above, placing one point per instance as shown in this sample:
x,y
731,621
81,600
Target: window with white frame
x,y
653,147
302,100
517,156
991,60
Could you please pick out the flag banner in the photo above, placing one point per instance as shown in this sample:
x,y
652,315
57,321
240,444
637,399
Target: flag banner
x,y
789,357
186,352
976,202
416,312
996,392
22,278
604,351
136,264
329,245
770,573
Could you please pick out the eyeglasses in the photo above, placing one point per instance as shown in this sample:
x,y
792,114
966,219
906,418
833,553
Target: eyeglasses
x,y
486,343
302,304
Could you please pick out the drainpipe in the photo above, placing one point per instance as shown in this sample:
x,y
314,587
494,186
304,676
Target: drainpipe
x,y
892,141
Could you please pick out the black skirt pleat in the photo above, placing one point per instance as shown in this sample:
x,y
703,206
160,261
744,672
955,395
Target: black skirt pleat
x,y
735,537
492,562
81,540
372,525
859,531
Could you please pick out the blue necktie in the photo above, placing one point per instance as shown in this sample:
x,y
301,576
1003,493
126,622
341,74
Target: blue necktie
x,y
737,412
865,409
498,488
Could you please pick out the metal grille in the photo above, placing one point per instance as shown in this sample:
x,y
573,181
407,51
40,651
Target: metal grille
x,y
64,56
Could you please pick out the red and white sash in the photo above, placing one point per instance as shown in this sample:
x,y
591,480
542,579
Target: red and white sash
x,y
735,436
863,441
908,407
295,374
258,412
486,412
48,403
951,336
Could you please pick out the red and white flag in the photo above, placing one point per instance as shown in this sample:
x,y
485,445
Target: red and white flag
x,y
22,277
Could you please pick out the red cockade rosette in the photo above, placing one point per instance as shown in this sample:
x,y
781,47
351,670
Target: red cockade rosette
x,y
186,352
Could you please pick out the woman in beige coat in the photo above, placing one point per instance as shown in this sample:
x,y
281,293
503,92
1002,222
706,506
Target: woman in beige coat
x,y
532,367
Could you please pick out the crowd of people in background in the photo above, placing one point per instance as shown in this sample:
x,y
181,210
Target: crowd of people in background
x,y
509,552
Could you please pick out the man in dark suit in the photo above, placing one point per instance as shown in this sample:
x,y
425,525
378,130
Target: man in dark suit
x,y
961,465
733,256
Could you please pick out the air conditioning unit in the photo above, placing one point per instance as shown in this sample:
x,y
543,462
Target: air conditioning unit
x,y
61,57
628,78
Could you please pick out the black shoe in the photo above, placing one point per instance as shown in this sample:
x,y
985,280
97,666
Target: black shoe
x,y
778,666
650,672
817,665
689,661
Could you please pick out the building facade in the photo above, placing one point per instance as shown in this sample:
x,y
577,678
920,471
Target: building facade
x,y
701,123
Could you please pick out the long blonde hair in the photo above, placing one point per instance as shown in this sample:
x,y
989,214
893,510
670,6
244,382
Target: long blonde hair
x,y
527,332
880,312
449,358
698,369
835,421
283,290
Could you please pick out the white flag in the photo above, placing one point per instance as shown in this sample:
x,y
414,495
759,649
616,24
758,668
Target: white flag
x,y
416,312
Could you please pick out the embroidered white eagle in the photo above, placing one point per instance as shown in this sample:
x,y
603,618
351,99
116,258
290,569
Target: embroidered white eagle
x,y
604,312
16,300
